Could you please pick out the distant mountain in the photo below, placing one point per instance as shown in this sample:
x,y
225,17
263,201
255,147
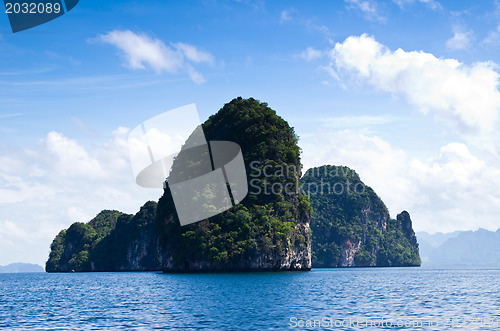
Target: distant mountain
x,y
437,239
21,267
460,248
429,242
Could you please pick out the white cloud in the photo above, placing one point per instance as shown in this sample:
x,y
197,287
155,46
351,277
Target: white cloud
x,y
363,121
194,54
368,8
141,52
9,229
493,37
78,214
461,190
71,159
286,15
453,190
465,96
311,54
460,40
455,165
195,75
433,4
320,28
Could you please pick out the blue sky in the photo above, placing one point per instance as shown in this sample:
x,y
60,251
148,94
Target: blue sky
x,y
403,91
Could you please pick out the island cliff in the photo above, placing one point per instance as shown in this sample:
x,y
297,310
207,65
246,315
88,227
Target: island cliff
x,y
112,241
351,226
269,230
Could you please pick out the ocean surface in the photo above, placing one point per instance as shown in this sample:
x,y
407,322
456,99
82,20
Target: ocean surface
x,y
323,299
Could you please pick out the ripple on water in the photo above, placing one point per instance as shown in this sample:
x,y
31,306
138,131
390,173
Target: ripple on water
x,y
245,301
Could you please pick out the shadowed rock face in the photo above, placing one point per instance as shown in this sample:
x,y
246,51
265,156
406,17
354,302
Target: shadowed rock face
x,y
112,241
351,226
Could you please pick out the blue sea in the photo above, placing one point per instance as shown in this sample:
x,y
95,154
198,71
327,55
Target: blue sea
x,y
323,299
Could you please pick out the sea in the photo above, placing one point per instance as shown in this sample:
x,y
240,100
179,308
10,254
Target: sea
x,y
322,299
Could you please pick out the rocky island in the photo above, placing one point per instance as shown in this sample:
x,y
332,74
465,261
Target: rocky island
x,y
351,226
270,230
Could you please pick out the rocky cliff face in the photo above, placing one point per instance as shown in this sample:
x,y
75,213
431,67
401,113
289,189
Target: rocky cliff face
x,y
112,241
131,245
269,230
71,248
351,226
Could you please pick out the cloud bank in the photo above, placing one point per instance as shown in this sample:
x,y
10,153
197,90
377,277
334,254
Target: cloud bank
x,y
466,96
455,188
46,188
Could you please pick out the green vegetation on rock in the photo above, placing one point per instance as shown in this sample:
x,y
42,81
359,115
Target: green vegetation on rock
x,y
351,226
266,231
131,245
71,248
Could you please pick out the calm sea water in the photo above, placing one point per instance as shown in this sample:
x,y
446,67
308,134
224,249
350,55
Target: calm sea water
x,y
336,299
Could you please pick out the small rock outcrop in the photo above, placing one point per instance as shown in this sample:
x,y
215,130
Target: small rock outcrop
x,y
112,241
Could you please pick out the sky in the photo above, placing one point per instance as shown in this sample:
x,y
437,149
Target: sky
x,y
404,91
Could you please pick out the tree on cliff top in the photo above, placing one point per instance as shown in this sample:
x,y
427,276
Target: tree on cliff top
x,y
265,222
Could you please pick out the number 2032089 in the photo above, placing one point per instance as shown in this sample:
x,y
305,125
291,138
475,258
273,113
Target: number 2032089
x,y
32,8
